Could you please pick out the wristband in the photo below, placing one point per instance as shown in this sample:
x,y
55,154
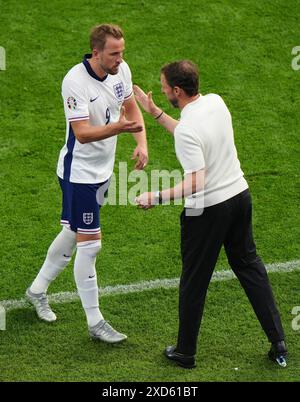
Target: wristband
x,y
157,117
158,197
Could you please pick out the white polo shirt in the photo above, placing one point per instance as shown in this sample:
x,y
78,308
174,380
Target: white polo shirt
x,y
204,140
86,96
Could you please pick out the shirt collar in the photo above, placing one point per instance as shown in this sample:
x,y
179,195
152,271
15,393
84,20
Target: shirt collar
x,y
90,70
188,105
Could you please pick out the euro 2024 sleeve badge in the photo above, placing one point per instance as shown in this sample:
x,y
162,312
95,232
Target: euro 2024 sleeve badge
x,y
72,103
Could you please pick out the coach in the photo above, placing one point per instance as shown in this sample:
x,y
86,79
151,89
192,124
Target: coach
x,y
204,145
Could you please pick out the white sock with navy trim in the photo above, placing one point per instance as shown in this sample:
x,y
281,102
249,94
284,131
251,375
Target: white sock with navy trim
x,y
58,256
86,279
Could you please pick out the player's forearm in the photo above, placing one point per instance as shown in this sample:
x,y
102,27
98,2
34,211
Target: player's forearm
x,y
96,133
135,114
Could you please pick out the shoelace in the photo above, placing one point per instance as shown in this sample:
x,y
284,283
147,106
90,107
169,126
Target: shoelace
x,y
44,303
107,328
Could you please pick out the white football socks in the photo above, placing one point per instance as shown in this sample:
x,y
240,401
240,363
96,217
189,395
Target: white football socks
x,y
58,256
86,279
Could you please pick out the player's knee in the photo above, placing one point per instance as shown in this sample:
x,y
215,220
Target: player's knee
x,y
96,247
90,247
59,257
63,247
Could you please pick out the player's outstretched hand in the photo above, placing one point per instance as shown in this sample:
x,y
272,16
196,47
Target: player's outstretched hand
x,y
146,101
128,126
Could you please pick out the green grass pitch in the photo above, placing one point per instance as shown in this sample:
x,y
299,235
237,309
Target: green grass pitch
x,y
243,50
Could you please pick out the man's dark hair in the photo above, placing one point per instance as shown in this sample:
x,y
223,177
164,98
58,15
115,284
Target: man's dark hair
x,y
99,34
183,74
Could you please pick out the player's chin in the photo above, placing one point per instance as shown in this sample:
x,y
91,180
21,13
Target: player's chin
x,y
114,70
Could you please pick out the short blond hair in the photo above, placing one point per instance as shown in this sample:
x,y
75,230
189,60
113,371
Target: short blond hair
x,y
99,34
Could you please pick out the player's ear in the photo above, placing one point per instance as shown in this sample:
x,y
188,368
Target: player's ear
x,y
95,53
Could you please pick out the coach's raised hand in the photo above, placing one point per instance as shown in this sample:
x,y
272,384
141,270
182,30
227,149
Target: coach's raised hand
x,y
146,101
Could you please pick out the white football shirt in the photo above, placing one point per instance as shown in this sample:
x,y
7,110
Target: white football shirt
x,y
204,140
86,96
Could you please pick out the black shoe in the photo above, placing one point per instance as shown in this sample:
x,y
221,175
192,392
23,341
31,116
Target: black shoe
x,y
181,359
278,353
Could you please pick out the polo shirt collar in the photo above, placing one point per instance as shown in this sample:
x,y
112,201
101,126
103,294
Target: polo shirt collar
x,y
188,105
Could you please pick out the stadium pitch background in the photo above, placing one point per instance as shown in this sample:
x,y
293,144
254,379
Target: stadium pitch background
x,y
247,53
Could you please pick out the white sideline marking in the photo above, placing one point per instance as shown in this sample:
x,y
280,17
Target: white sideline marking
x,y
64,297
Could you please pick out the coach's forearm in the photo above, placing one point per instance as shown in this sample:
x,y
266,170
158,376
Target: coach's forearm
x,y
192,183
165,120
176,192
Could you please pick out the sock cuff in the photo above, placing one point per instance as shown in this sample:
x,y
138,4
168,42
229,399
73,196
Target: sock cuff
x,y
89,244
91,289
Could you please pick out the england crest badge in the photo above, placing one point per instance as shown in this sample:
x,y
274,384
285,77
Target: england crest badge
x,y
88,217
119,90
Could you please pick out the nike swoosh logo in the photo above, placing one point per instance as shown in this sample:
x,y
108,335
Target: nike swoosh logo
x,y
92,100
92,276
67,256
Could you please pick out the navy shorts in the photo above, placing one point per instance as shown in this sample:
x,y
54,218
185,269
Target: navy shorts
x,y
81,205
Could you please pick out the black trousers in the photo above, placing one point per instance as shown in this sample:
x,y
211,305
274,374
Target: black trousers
x,y
230,224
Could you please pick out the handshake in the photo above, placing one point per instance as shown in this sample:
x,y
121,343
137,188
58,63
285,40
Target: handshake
x,y
148,200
